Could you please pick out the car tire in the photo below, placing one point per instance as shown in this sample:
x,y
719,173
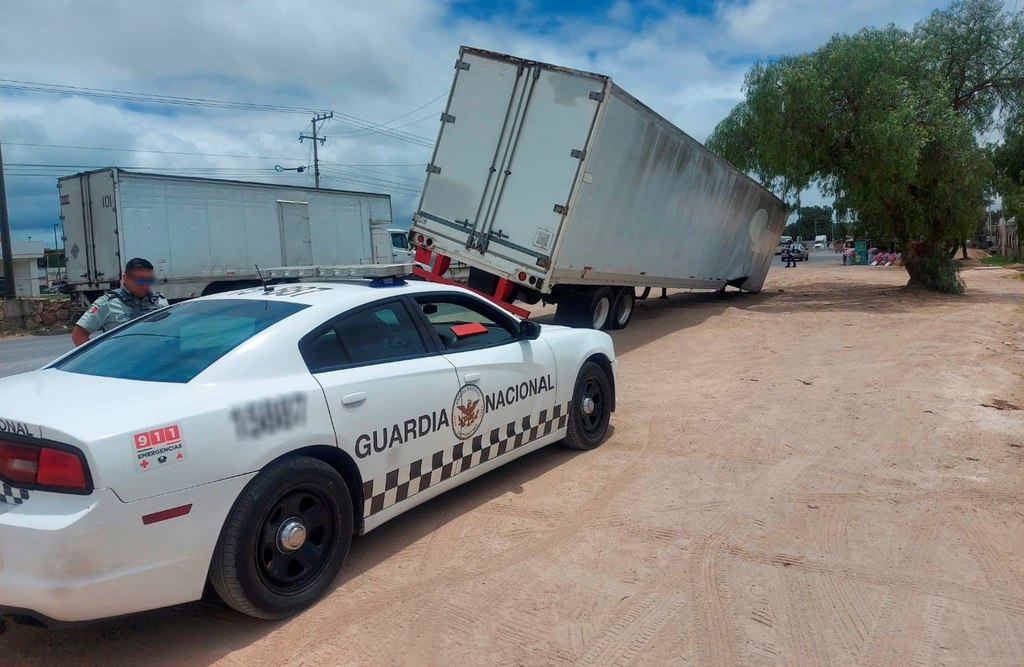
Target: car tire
x,y
623,306
284,540
588,430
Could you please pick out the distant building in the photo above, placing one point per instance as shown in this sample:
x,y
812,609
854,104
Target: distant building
x,y
26,269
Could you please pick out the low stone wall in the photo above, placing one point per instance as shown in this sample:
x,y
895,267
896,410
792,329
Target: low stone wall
x,y
35,314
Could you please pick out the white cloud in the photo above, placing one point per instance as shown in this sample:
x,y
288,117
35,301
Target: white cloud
x,y
376,60
788,26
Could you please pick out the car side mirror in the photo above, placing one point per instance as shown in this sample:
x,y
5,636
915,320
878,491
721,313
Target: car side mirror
x,y
529,330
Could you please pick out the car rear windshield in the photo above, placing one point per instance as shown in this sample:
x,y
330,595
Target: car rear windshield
x,y
178,343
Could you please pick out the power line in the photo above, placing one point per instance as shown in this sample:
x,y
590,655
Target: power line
x,y
416,180
233,155
363,133
34,86
104,93
147,150
409,113
404,188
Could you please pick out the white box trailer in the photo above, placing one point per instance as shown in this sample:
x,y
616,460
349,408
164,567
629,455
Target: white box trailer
x,y
206,235
556,184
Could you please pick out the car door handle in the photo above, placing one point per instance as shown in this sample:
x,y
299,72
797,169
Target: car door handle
x,y
471,377
353,399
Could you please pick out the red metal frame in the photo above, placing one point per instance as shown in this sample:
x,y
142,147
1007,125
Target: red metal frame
x,y
499,298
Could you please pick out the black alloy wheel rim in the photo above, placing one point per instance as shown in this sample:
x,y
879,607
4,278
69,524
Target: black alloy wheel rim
x,y
592,422
285,569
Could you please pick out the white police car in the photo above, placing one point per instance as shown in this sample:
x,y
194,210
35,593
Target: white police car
x,y
243,438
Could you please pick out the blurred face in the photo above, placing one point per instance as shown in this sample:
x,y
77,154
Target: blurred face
x,y
139,281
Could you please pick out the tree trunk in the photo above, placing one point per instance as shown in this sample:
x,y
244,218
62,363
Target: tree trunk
x,y
912,257
963,246
929,265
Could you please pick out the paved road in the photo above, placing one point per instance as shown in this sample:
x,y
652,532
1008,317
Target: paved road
x,y
18,355
817,258
27,353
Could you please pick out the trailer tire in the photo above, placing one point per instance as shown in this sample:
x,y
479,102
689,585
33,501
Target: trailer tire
x,y
623,305
599,308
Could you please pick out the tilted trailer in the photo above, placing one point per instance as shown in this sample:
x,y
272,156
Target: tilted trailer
x,y
556,184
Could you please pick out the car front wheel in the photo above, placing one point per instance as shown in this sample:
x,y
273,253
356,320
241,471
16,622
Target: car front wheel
x,y
284,540
591,408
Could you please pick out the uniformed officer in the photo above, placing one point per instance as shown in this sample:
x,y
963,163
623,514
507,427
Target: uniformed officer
x,y
133,298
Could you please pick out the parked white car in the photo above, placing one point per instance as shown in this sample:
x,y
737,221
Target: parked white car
x,y
244,438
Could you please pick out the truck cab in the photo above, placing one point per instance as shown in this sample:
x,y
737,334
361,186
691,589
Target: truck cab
x,y
390,246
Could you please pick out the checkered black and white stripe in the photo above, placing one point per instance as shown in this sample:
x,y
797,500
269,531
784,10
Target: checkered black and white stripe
x,y
12,496
401,483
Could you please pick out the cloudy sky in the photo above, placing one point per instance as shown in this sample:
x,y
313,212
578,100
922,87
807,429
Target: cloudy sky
x,y
383,67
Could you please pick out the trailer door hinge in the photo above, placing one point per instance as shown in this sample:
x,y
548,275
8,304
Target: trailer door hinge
x,y
562,210
578,153
447,118
597,96
433,169
461,64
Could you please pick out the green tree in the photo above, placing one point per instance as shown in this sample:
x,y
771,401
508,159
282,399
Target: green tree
x,y
1008,160
810,222
886,121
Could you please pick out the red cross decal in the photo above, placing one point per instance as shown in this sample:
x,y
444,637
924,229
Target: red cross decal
x,y
144,464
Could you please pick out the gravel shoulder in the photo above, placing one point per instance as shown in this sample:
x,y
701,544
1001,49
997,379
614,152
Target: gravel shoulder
x,y
830,472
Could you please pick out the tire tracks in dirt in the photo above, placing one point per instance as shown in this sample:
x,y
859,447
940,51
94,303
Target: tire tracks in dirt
x,y
499,576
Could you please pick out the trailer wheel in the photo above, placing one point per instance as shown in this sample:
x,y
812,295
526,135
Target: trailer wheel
x,y
600,308
590,309
623,305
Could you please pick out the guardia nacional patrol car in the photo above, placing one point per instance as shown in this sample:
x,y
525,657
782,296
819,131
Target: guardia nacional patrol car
x,y
244,438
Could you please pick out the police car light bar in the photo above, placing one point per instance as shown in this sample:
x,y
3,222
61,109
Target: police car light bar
x,y
341,271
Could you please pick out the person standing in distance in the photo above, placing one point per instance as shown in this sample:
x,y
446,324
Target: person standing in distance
x,y
791,255
134,298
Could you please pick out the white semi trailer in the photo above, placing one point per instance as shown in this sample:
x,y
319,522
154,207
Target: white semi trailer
x,y
205,236
556,184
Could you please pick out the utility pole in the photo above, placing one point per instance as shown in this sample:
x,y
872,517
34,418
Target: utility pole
x,y
5,235
319,118
56,251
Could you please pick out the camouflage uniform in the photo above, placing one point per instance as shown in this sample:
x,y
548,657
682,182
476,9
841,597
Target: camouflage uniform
x,y
117,307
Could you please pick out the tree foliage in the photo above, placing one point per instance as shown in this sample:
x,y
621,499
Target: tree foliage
x,y
886,121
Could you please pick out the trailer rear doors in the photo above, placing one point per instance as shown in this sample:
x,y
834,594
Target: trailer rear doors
x,y
88,211
508,155
296,240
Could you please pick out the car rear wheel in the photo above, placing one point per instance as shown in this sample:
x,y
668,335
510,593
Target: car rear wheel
x,y
591,408
284,540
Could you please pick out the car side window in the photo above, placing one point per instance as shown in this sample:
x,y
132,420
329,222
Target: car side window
x,y
377,334
463,324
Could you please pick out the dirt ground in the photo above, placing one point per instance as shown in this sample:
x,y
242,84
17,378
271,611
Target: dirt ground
x,y
807,476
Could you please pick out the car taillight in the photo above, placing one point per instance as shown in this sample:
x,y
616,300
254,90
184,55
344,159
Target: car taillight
x,y
39,466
